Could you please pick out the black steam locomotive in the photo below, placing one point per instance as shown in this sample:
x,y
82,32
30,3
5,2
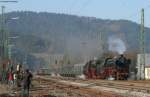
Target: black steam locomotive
x,y
116,68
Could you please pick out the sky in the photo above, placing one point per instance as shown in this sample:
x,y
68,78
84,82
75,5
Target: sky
x,y
104,9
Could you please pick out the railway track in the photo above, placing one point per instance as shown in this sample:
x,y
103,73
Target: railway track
x,y
130,86
125,87
72,90
138,86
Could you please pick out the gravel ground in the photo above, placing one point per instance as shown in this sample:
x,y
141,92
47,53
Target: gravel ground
x,y
49,89
124,93
4,89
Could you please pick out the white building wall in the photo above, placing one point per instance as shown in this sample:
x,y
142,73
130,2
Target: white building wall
x,y
147,73
140,67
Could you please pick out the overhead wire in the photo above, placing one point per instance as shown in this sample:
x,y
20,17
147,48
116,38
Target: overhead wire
x,y
137,13
80,7
84,5
76,4
73,5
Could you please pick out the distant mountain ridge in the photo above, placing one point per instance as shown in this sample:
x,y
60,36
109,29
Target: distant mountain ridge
x,y
52,33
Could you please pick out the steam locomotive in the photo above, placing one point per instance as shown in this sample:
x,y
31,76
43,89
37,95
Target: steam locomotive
x,y
116,68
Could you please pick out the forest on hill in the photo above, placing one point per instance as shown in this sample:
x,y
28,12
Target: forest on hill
x,y
42,34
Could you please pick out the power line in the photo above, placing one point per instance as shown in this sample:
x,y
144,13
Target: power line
x,y
83,6
9,1
137,13
73,4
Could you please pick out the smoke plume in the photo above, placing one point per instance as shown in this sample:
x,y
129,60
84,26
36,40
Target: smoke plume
x,y
116,45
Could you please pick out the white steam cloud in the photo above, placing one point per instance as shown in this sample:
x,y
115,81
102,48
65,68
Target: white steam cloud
x,y
116,45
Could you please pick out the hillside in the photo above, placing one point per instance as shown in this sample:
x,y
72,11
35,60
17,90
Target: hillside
x,y
50,33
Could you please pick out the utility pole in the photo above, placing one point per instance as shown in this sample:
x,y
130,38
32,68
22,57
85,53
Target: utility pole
x,y
4,34
25,60
4,37
4,41
102,38
142,47
103,42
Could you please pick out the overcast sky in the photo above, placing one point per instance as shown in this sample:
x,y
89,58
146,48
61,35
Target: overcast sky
x,y
105,9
